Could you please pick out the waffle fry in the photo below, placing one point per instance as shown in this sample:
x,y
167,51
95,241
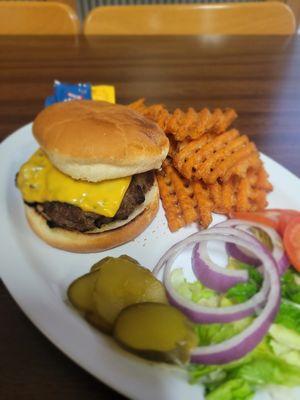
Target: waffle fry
x,y
190,160
240,194
186,152
217,157
243,193
187,125
184,202
204,204
193,124
262,181
188,201
216,195
236,163
228,195
209,168
177,197
138,105
156,112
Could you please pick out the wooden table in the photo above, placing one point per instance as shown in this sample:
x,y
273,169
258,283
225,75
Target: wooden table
x,y
259,77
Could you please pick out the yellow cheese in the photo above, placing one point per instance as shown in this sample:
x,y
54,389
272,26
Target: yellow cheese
x,y
40,181
104,93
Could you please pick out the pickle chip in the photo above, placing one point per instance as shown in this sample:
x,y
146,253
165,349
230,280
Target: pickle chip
x,y
80,292
155,331
121,282
112,284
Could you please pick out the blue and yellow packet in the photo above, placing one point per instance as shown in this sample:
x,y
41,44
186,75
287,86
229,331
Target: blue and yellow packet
x,y
80,91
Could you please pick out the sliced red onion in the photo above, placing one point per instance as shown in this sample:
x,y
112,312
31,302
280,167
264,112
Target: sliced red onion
x,y
278,249
244,342
212,276
241,255
197,312
190,240
269,295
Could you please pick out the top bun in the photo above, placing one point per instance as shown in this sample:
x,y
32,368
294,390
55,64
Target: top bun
x,y
95,140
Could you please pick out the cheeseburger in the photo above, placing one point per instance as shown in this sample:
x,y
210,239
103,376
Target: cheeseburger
x,y
91,186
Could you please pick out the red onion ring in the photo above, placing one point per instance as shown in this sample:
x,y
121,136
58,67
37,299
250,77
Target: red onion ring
x,y
212,276
269,295
278,249
244,342
240,255
197,312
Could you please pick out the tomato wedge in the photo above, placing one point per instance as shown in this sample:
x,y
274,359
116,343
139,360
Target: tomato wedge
x,y
261,216
284,219
291,240
276,218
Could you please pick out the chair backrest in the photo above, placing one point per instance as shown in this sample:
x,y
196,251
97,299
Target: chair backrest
x,y
262,18
37,18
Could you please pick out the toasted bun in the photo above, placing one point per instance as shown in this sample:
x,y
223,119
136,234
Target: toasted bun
x,y
92,242
94,140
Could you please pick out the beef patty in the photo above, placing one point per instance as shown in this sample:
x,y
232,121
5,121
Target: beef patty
x,y
71,217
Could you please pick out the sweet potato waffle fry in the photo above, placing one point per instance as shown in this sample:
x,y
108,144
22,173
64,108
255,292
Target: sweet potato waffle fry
x,y
184,202
209,168
204,203
187,125
241,194
156,112
176,194
189,201
217,157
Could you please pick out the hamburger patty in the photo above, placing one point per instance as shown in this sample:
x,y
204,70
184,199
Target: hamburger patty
x,y
71,217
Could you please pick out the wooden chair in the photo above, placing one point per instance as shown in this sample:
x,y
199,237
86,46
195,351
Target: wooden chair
x,y
37,18
265,18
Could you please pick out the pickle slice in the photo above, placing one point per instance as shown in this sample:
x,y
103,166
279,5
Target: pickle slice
x,y
155,331
98,264
80,292
121,282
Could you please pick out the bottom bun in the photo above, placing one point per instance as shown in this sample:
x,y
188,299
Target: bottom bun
x,y
78,242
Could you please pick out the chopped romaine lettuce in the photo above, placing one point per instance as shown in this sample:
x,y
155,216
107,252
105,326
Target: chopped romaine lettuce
x,y
233,389
241,292
285,336
276,360
266,369
253,272
217,333
194,291
259,368
205,373
289,316
285,353
290,286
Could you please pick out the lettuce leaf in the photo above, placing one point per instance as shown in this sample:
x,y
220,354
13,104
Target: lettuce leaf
x,y
290,286
259,368
253,272
289,316
194,291
233,389
267,369
241,292
276,360
217,333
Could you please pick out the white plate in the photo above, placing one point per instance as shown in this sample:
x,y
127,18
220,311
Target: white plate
x,y
38,275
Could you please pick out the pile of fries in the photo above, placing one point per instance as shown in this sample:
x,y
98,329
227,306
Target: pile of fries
x,y
210,167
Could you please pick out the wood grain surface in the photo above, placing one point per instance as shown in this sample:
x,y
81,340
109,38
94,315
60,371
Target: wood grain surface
x,y
259,77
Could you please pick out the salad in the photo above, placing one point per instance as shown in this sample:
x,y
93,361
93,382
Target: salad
x,y
234,329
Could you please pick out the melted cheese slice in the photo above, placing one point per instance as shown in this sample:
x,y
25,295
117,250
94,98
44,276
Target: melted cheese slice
x,y
40,181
